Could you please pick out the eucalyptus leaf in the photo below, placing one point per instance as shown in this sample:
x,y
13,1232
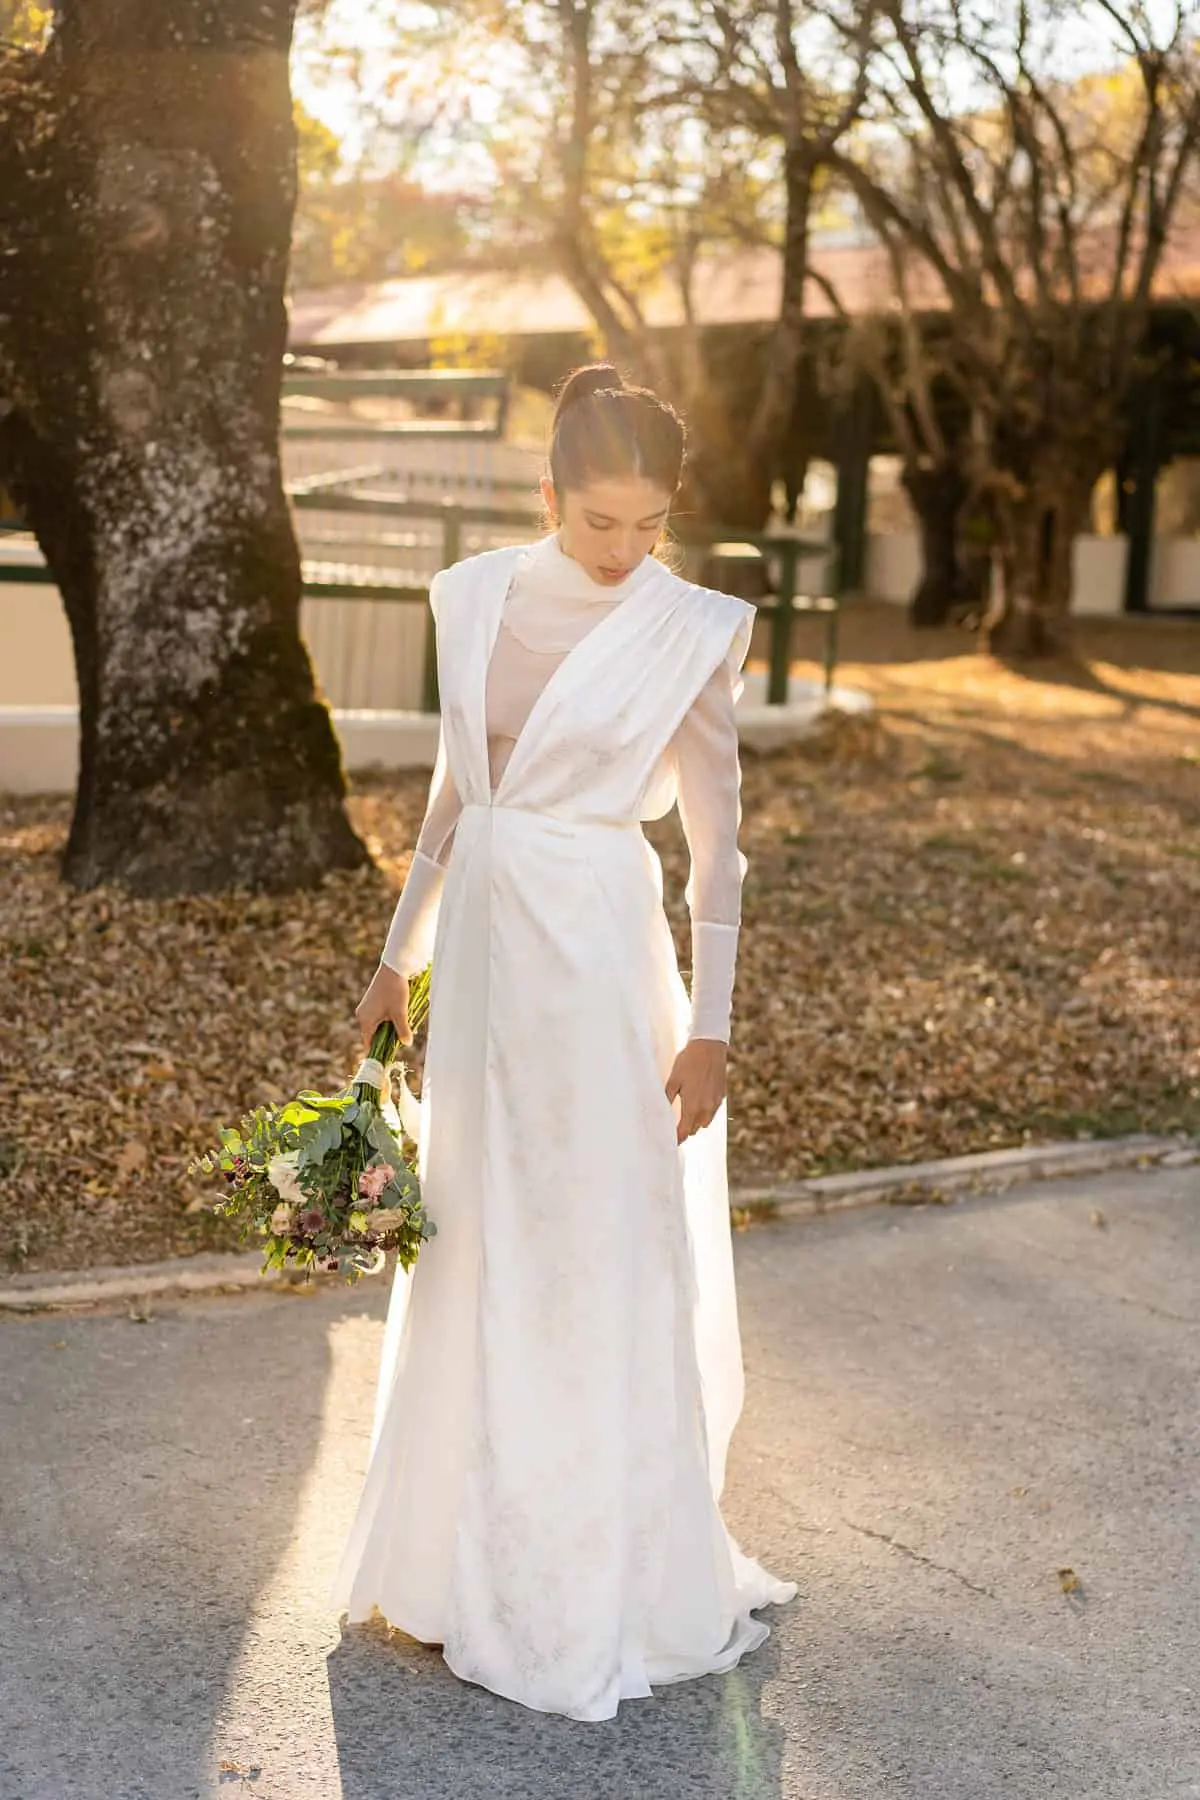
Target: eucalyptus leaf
x,y
327,1103
318,1138
400,1192
385,1141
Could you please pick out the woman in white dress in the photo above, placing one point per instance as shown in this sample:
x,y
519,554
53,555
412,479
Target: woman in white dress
x,y
562,1371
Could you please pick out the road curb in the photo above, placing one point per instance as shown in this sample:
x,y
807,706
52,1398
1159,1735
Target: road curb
x,y
213,1272
945,1178
903,1184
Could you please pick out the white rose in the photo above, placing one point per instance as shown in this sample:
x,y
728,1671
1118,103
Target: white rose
x,y
283,1175
282,1219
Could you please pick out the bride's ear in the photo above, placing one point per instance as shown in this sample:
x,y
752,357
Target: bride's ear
x,y
549,498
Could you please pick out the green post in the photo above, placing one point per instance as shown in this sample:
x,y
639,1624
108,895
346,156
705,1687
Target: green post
x,y
781,622
855,440
831,649
451,553
430,698
1139,480
451,534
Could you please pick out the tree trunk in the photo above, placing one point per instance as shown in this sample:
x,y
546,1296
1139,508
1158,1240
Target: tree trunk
x,y
1039,523
725,482
937,493
147,182
774,411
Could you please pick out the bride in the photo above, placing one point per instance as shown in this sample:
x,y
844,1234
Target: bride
x,y
562,1371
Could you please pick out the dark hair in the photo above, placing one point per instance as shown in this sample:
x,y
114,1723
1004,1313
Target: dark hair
x,y
602,427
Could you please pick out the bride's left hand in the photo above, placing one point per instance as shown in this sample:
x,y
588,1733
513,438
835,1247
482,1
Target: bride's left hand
x,y
698,1080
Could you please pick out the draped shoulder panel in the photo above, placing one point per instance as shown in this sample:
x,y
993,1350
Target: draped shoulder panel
x,y
465,581
727,622
467,604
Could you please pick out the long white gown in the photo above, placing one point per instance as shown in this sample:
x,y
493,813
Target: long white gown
x,y
562,1371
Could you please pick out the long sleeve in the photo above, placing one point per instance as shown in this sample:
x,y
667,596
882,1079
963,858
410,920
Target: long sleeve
x,y
708,775
409,944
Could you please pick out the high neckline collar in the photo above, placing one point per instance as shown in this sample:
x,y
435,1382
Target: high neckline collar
x,y
546,562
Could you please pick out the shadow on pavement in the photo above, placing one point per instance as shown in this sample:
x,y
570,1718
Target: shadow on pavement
x,y
408,1729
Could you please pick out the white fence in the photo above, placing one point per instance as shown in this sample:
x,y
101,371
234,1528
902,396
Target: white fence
x,y
369,655
366,653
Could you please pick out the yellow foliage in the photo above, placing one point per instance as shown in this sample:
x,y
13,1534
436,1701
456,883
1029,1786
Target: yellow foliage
x,y
461,350
318,149
24,23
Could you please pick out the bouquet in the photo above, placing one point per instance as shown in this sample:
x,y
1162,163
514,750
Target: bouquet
x,y
323,1178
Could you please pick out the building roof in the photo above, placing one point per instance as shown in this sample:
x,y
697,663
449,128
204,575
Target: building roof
x,y
741,288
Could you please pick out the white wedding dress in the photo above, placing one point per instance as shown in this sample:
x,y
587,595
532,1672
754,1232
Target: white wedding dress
x,y
562,1371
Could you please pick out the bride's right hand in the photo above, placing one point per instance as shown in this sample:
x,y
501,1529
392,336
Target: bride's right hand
x,y
386,998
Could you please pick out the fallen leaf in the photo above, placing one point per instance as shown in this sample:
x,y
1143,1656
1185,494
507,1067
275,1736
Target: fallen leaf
x,y
909,947
134,1155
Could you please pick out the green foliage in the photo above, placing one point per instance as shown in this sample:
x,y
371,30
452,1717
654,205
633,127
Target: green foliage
x,y
322,1179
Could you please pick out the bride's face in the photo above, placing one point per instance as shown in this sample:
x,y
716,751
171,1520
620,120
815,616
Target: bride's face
x,y
609,525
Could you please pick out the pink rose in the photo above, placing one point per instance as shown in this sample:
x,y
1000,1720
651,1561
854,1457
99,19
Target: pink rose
x,y
372,1181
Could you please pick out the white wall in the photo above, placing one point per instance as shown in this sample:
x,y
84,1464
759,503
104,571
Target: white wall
x,y
371,654
39,746
366,653
369,657
37,662
893,568
1098,567
1175,572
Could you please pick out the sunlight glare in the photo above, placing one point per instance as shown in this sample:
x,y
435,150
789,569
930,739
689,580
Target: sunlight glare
x,y
277,1714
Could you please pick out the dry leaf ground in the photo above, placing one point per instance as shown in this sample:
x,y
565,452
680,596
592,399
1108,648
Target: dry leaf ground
x,y
969,921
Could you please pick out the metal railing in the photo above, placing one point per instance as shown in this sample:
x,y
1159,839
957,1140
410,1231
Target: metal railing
x,y
338,579
454,387
751,548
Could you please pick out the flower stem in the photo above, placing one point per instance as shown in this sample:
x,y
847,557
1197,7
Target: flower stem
x,y
418,999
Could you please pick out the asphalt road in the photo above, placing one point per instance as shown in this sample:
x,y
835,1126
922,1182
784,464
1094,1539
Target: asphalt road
x,y
947,1407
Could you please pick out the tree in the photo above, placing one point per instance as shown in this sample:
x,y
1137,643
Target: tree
x,y
630,147
795,77
360,227
1040,208
147,181
360,224
909,363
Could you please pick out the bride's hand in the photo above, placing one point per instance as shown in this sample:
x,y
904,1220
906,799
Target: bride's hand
x,y
386,998
698,1080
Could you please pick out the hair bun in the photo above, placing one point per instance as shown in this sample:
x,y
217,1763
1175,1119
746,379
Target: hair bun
x,y
592,378
603,428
